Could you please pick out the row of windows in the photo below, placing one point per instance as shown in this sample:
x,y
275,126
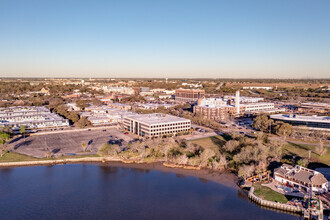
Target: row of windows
x,y
170,128
166,132
168,125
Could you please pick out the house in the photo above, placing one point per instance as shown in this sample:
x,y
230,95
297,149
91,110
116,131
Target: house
x,y
301,178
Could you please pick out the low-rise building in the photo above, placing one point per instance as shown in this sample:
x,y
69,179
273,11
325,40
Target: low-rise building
x,y
314,107
164,96
33,117
258,87
153,125
120,106
301,178
154,106
118,90
105,115
313,121
257,107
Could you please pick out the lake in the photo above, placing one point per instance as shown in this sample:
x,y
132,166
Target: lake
x,y
92,191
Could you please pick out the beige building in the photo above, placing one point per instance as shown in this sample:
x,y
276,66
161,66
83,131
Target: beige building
x,y
154,125
301,178
189,95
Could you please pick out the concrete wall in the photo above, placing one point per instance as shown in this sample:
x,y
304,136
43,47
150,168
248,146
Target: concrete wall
x,y
275,205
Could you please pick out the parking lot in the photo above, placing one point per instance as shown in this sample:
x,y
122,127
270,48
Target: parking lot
x,y
69,142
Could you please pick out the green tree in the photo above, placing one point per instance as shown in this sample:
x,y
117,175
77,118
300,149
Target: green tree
x,y
109,150
4,137
303,162
22,130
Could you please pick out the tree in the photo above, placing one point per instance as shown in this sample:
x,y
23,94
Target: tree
x,y
282,129
22,130
82,104
73,116
246,171
97,102
262,123
109,150
4,137
83,122
320,150
303,162
231,145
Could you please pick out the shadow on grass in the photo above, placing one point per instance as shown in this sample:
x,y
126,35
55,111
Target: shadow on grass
x,y
24,143
299,146
16,139
227,137
217,141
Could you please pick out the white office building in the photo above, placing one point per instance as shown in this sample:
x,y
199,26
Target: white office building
x,y
33,117
153,125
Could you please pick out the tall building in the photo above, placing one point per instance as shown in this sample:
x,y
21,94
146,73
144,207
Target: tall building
x,y
189,95
153,125
237,102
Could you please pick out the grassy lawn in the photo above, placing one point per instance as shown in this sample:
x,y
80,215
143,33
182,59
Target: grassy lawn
x,y
301,150
77,156
215,142
15,157
269,194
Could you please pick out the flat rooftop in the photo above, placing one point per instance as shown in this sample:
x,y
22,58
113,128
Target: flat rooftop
x,y
314,118
157,118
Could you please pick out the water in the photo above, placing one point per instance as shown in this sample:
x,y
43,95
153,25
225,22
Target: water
x,y
83,191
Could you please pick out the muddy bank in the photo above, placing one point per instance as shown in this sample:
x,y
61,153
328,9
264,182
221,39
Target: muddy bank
x,y
223,177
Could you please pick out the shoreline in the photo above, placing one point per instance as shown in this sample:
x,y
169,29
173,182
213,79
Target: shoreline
x,y
223,177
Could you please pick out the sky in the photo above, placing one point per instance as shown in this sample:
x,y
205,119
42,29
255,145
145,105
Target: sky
x,y
168,38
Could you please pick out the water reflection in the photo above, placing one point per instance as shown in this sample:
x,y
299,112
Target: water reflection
x,y
103,192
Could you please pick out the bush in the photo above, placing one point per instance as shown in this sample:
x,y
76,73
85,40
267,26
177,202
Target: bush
x,y
109,150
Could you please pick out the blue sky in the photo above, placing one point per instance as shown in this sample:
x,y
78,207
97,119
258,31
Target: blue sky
x,y
169,38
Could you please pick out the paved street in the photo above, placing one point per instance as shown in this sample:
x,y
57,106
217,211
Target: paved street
x,y
68,142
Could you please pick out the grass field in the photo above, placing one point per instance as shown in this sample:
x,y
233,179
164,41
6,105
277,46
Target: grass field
x,y
301,150
269,194
215,142
15,157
